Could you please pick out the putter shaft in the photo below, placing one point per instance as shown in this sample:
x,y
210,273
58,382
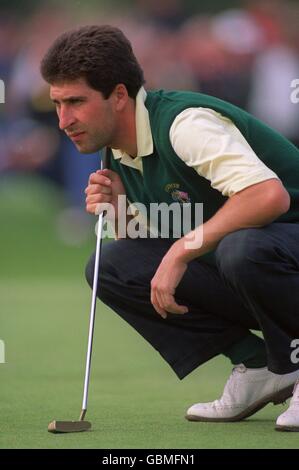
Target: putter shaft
x,y
81,425
104,164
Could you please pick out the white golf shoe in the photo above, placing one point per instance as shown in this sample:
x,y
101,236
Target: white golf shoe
x,y
246,392
289,420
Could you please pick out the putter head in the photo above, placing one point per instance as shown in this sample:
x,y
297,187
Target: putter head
x,y
57,427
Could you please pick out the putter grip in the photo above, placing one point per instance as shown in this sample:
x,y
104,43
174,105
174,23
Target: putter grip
x,y
106,158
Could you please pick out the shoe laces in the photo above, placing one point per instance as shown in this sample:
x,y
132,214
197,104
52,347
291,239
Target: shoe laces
x,y
227,392
239,368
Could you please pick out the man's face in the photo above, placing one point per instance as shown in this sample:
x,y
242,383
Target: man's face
x,y
85,116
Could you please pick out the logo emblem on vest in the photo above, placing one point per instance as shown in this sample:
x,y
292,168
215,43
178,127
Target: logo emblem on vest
x,y
179,196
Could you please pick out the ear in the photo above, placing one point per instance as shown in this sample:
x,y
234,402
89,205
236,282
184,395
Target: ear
x,y
120,96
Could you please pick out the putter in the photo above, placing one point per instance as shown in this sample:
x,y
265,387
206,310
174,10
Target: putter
x,y
81,425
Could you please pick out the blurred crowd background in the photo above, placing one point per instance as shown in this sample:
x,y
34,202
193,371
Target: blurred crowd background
x,y
246,52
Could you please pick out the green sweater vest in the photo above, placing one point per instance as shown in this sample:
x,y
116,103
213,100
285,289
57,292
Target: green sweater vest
x,y
167,178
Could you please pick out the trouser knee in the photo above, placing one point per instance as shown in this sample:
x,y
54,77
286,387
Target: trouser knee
x,y
126,263
241,255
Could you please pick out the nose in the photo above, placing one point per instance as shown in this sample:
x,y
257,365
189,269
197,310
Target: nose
x,y
66,118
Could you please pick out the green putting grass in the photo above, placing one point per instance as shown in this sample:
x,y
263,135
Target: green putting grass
x,y
135,400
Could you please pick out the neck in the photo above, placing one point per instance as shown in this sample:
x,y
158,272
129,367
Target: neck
x,y
126,139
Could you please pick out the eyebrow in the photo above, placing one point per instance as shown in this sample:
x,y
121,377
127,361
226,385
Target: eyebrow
x,y
70,99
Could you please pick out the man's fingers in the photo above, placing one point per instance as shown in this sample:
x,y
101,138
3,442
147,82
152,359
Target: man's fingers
x,y
97,209
101,207
169,304
99,178
156,306
98,198
92,208
165,303
160,311
98,188
110,174
97,203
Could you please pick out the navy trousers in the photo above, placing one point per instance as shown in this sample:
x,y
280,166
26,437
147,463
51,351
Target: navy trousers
x,y
254,284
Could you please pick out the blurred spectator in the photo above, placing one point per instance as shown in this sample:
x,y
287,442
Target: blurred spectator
x,y
164,14
34,141
9,40
275,67
218,70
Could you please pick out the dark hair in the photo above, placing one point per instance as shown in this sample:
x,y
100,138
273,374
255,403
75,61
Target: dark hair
x,y
100,54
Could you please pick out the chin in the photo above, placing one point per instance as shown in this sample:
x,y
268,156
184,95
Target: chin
x,y
86,150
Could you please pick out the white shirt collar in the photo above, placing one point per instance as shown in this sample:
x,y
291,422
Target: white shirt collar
x,y
143,131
